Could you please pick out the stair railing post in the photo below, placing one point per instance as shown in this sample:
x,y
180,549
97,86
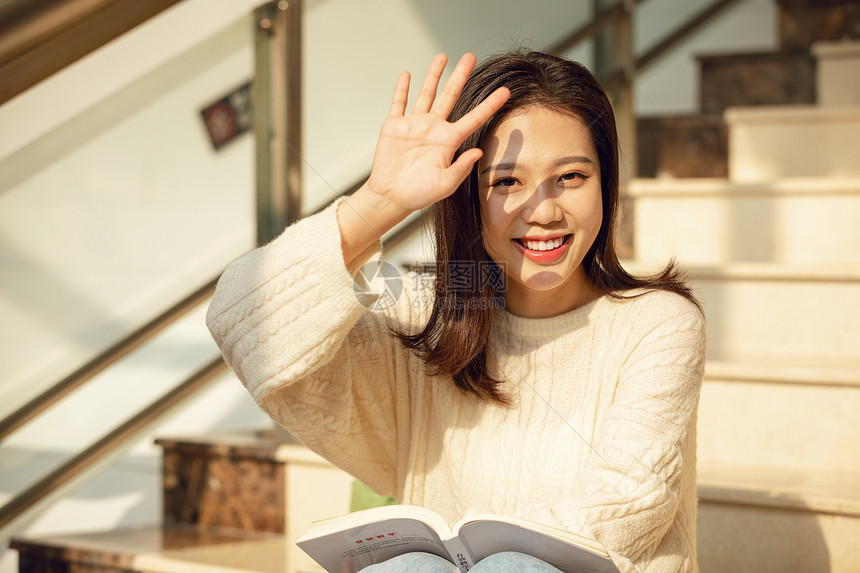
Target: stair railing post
x,y
277,116
614,58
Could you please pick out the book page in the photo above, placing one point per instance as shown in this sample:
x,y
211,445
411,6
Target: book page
x,y
352,549
487,537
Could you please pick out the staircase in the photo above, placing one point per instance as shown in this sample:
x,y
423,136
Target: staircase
x,y
758,198
773,249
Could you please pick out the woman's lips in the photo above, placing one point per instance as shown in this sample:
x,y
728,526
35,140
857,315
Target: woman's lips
x,y
544,256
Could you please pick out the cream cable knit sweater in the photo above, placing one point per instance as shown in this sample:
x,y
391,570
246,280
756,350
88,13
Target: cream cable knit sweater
x,y
600,438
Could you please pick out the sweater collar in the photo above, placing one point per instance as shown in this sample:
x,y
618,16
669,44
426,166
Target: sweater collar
x,y
548,327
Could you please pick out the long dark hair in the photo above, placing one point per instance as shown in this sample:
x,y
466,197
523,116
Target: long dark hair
x,y
454,341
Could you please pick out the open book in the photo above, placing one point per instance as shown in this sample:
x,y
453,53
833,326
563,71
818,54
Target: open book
x,y
351,542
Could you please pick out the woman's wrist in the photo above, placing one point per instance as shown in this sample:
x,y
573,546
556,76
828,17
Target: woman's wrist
x,y
363,218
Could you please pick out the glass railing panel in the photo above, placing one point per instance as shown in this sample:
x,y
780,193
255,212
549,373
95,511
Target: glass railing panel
x,y
121,211
106,220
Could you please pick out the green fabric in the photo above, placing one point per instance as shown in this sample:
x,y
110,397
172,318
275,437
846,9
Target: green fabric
x,y
364,498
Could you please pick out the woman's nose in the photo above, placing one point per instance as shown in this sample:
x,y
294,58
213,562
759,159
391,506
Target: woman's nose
x,y
542,205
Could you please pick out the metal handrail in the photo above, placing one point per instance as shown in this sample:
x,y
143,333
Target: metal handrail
x,y
591,28
691,26
110,356
38,39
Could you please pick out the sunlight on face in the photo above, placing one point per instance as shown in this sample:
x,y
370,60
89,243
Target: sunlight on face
x,y
539,184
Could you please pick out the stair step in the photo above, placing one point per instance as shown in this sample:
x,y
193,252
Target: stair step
x,y
776,311
682,146
802,23
776,519
221,480
807,489
838,73
752,79
266,481
780,311
715,221
792,417
768,143
810,373
155,549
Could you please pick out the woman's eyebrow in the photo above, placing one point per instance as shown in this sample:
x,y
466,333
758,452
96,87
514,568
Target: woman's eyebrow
x,y
558,162
572,159
499,167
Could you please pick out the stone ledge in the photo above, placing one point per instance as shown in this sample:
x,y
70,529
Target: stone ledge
x,y
817,492
791,114
122,550
645,188
809,373
754,271
253,445
789,272
836,50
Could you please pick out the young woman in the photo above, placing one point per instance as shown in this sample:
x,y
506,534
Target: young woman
x,y
533,377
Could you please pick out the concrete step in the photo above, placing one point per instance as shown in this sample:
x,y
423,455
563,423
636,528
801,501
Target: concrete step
x,y
157,549
838,73
767,143
769,519
715,221
767,311
794,416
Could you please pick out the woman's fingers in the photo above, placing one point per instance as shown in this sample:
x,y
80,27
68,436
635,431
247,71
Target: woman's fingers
x,y
462,166
431,82
482,112
401,95
454,86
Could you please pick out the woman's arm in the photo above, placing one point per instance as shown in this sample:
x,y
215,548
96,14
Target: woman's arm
x,y
300,283
286,317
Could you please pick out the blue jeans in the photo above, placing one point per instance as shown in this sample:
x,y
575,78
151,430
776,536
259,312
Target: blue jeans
x,y
506,562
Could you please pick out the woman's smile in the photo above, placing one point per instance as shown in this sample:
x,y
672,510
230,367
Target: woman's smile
x,y
544,250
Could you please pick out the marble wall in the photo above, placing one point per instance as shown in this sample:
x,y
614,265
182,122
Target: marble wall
x,y
229,484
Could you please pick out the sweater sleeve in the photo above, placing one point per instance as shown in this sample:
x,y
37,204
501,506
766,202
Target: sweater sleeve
x,y
642,466
288,322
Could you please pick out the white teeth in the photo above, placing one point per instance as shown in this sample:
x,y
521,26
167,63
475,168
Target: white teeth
x,y
543,245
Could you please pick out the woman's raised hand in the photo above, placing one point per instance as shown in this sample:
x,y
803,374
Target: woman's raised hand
x,y
414,166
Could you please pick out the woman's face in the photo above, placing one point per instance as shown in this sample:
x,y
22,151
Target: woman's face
x,y
539,186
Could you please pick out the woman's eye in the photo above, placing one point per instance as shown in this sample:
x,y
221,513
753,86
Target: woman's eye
x,y
572,176
505,182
